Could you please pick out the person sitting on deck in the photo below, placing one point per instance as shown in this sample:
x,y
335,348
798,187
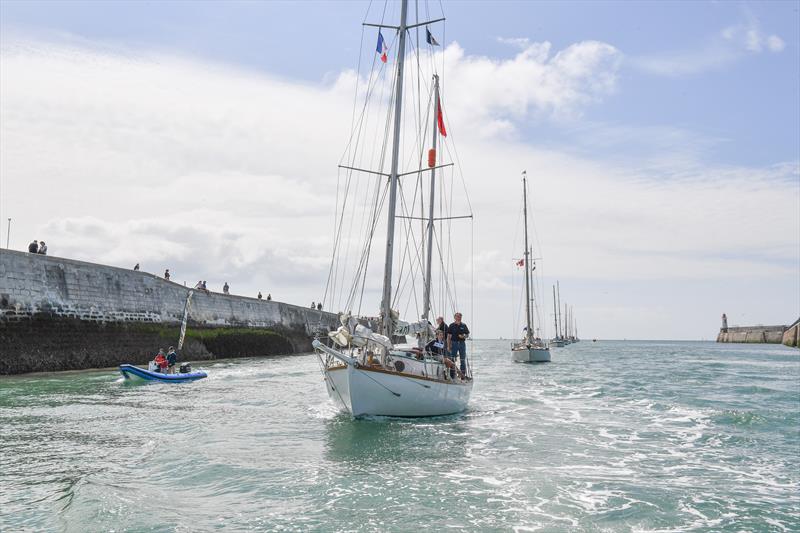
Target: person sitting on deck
x,y
437,348
172,358
161,361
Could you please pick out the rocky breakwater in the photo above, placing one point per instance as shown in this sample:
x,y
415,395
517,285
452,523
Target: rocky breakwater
x,y
62,314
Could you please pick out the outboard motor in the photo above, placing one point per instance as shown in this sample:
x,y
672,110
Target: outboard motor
x,y
185,368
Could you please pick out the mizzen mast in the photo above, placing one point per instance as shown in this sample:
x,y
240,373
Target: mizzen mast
x,y
426,306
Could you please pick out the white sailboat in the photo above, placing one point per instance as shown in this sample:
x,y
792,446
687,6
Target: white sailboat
x,y
530,349
557,341
365,371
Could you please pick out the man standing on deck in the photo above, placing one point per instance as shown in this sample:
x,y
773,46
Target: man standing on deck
x,y
33,248
457,334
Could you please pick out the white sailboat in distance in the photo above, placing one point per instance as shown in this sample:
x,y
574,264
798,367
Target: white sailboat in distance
x,y
530,349
366,370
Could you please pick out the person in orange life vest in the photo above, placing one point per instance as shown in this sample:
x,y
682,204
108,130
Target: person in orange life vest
x,y
161,361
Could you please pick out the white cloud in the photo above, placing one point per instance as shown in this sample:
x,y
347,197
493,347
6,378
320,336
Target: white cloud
x,y
775,43
517,42
730,45
500,92
228,175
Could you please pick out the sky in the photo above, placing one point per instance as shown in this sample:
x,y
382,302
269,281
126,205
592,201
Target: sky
x,y
661,141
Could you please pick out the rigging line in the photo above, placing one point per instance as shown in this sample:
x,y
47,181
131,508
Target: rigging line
x,y
382,159
365,223
399,288
357,134
412,380
347,150
457,159
536,234
513,254
368,238
468,358
450,254
409,231
366,235
366,374
445,279
377,205
371,84
363,267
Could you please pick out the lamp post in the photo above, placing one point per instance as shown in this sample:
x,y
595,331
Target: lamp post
x,y
8,232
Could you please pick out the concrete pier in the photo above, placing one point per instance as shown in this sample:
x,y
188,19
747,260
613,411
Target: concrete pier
x,y
63,314
758,334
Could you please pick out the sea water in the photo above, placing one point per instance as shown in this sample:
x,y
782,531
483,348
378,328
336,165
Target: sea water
x,y
609,436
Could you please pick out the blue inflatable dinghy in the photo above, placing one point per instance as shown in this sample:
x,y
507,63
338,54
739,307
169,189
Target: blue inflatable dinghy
x,y
135,373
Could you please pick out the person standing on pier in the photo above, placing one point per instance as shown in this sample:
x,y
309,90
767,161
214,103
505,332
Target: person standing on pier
x,y
269,297
259,295
136,267
33,247
166,274
42,248
226,288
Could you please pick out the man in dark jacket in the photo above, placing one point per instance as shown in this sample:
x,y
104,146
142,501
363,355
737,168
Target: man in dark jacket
x,y
172,358
457,334
33,247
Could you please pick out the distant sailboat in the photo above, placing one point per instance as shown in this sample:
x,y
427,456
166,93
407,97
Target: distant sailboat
x,y
558,340
530,349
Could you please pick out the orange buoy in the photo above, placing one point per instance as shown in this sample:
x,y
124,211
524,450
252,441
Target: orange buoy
x,y
432,157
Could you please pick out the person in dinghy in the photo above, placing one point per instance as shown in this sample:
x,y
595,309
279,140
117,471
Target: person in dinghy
x,y
160,363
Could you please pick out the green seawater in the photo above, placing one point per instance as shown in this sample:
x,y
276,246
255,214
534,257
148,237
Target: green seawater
x,y
610,436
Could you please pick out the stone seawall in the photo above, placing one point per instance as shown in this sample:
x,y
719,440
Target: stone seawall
x,y
791,337
62,314
753,334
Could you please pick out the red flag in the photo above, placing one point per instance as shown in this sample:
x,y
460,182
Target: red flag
x,y
440,118
521,262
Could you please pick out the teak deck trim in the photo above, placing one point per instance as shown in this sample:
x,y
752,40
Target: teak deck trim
x,y
403,374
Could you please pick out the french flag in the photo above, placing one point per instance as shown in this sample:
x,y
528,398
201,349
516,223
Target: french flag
x,y
382,49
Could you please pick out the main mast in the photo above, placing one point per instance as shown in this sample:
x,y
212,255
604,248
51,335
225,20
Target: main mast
x,y
386,304
527,257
